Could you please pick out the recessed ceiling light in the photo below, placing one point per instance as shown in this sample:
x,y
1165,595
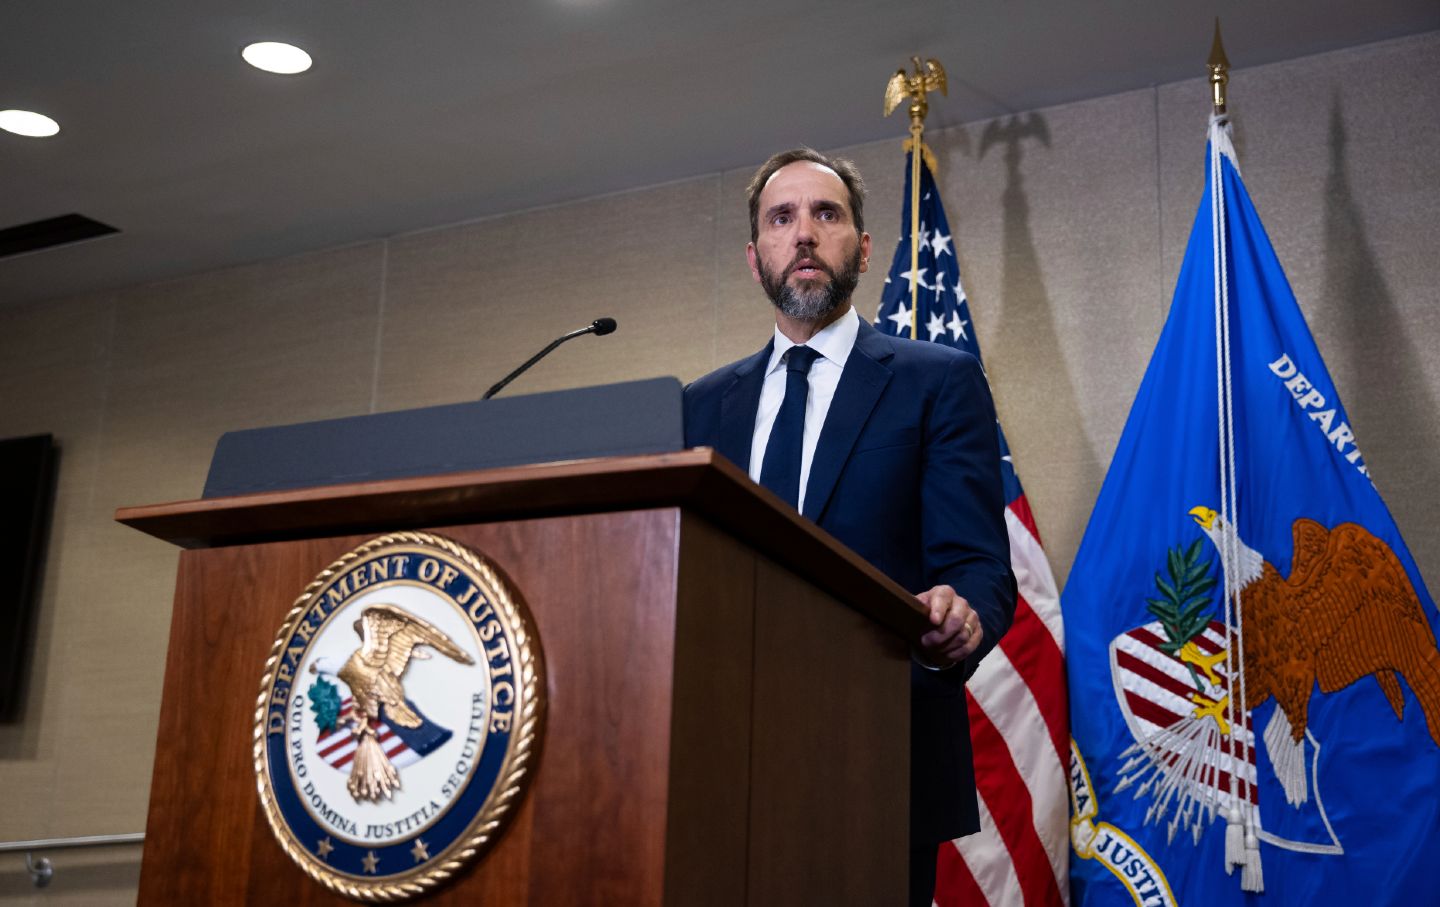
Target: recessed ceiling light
x,y
272,56
24,122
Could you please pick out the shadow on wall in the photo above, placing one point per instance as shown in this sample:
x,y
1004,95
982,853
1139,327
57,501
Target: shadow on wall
x,y
1027,344
1386,394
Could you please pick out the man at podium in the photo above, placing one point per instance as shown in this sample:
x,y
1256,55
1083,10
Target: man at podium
x,y
888,444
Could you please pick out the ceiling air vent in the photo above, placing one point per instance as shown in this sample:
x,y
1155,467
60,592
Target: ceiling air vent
x,y
51,232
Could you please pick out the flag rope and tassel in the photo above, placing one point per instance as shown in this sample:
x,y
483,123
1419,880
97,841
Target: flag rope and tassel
x,y
1234,828
1242,846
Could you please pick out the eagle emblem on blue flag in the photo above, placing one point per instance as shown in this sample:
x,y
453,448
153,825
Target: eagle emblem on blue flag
x,y
1347,612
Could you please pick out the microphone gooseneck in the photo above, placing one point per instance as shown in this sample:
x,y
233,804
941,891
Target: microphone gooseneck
x,y
599,327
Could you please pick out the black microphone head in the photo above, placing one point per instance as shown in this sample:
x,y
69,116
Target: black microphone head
x,y
603,326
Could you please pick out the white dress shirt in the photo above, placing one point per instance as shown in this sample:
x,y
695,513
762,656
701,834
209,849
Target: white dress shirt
x,y
833,343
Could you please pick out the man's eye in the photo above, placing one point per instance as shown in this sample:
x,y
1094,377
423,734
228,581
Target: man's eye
x,y
780,220
827,215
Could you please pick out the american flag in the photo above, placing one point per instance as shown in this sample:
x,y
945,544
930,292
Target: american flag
x,y
1018,721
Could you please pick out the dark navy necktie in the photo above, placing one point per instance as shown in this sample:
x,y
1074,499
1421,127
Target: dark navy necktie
x,y
780,471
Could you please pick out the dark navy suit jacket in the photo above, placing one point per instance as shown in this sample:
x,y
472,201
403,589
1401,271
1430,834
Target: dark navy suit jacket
x,y
906,473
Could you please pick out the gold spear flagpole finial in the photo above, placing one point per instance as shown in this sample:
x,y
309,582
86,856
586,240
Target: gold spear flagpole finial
x,y
929,76
1219,68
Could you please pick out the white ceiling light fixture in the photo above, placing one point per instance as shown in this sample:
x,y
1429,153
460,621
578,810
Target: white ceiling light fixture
x,y
273,56
28,123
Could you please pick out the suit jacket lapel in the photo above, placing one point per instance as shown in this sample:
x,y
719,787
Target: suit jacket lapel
x,y
738,405
861,383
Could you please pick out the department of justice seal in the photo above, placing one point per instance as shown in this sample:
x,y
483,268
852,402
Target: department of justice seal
x,y
399,716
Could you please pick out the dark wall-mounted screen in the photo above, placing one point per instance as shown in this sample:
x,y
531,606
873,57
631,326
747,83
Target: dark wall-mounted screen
x,y
27,483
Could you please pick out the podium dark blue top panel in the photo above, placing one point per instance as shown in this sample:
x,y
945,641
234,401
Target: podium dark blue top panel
x,y
635,417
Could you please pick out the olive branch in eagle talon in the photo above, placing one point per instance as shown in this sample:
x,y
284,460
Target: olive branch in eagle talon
x,y
390,638
1182,607
1184,612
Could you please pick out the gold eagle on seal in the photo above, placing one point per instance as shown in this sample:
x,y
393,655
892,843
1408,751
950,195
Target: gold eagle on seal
x,y
390,637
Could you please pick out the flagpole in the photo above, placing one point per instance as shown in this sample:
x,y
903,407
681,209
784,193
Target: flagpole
x,y
917,129
929,76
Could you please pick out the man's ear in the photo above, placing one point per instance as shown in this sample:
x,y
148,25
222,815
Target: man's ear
x,y
754,260
864,252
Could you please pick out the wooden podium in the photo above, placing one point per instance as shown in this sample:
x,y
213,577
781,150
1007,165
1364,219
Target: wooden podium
x,y
728,687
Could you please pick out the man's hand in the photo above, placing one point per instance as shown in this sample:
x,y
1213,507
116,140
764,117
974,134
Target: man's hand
x,y
957,630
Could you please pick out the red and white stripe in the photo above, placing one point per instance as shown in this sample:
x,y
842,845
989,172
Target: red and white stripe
x,y
1020,732
337,746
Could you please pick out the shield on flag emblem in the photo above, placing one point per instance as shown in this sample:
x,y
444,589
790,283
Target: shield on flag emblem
x,y
1192,754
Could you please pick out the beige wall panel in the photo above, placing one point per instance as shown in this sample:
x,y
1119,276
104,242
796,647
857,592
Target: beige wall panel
x,y
53,371
52,375
115,606
1340,153
464,305
292,338
278,342
1057,234
281,341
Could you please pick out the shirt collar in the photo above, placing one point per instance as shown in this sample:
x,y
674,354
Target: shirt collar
x,y
834,341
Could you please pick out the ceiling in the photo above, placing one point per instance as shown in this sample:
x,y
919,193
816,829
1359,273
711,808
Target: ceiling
x,y
426,112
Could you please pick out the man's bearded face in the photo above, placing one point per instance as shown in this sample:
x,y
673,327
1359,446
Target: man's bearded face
x,y
810,299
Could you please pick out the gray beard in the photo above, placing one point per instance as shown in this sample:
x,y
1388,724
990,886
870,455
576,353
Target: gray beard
x,y
811,304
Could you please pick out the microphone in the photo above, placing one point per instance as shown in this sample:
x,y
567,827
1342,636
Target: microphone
x,y
599,327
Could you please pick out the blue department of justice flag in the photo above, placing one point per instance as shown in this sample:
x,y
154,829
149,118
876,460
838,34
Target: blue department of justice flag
x,y
1254,676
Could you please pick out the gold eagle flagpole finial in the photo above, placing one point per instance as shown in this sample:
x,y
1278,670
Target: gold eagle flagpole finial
x,y
929,76
1219,68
